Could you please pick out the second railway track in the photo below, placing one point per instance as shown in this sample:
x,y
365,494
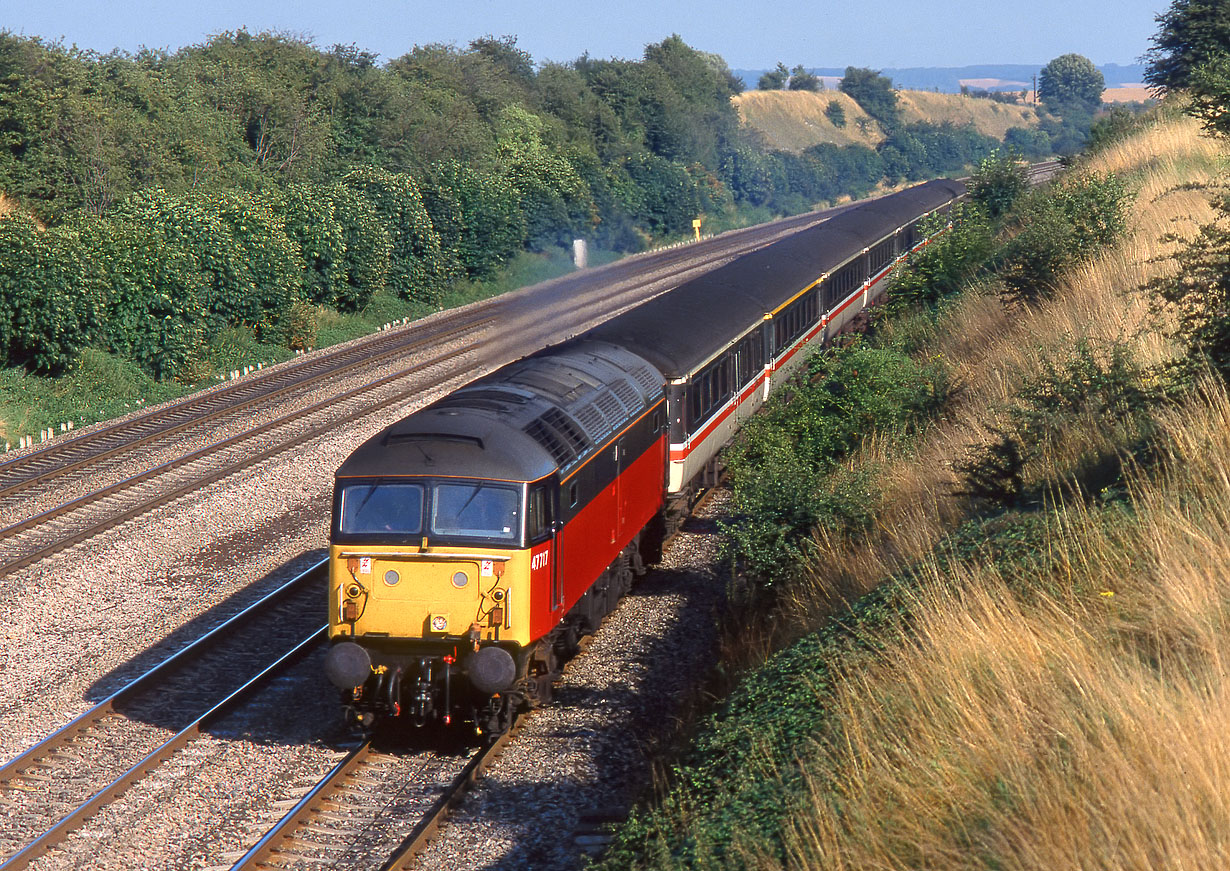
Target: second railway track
x,y
56,786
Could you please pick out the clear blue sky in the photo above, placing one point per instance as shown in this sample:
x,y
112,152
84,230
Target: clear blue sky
x,y
876,33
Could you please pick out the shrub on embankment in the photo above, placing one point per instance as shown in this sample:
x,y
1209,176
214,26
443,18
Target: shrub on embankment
x,y
1017,666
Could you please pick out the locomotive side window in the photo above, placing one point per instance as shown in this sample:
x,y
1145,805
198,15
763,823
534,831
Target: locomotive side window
x,y
572,495
475,510
382,508
538,517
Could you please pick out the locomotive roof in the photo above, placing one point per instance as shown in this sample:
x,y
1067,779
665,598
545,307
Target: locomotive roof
x,y
520,423
680,330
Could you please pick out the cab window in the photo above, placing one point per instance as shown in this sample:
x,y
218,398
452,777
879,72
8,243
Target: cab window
x,y
475,510
382,508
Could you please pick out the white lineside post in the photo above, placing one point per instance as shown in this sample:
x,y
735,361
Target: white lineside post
x,y
580,253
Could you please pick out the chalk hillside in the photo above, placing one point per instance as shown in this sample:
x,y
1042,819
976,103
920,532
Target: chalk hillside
x,y
796,120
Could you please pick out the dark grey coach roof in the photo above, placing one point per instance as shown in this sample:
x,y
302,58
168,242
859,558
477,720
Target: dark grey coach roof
x,y
519,423
682,329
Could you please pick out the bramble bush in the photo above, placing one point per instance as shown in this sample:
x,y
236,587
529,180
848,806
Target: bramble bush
x,y
783,466
238,243
367,247
477,216
48,313
154,295
310,220
1089,382
1058,226
1199,293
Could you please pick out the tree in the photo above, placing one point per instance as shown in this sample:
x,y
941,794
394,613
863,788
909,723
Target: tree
x,y
874,93
1071,83
802,80
774,80
1210,90
836,113
1191,34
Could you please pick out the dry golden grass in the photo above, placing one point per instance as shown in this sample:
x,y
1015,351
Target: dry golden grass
x,y
1084,730
1087,729
795,120
987,116
991,349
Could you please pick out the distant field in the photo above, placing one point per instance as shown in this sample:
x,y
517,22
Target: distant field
x,y
795,120
1126,94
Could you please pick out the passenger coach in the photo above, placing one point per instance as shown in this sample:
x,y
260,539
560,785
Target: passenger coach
x,y
725,340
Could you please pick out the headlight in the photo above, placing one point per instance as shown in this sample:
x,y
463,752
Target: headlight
x,y
460,579
391,577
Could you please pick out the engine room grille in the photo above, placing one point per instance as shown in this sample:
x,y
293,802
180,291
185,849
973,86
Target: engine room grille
x,y
647,380
559,434
627,395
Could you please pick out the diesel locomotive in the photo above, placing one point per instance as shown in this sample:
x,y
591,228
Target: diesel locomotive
x,y
475,541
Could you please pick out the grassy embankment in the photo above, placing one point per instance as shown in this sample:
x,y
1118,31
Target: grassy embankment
x,y
796,120
1037,686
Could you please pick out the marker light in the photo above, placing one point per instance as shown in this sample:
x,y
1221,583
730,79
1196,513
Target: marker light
x,y
439,623
460,579
391,577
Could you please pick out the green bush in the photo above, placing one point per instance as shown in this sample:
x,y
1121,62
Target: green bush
x,y
477,216
154,295
669,198
367,248
419,267
783,465
310,221
946,264
238,243
1199,293
1059,226
1087,383
999,182
49,313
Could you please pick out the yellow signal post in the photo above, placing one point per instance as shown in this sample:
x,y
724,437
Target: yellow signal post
x,y
696,228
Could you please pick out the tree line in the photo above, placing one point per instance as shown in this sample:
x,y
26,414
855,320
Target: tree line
x,y
230,184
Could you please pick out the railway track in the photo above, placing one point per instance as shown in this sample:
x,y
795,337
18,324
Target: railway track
x,y
348,820
56,786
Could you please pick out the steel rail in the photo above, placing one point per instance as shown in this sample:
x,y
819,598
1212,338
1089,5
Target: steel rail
x,y
61,830
145,680
282,833
413,843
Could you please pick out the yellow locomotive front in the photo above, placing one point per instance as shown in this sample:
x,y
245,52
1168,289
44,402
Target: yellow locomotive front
x,y
430,597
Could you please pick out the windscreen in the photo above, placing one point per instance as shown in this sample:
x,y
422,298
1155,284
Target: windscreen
x,y
383,508
475,510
